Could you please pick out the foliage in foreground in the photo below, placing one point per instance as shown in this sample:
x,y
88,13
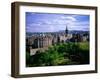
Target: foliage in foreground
x,y
60,54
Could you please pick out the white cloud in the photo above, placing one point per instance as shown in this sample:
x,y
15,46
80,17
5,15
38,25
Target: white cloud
x,y
70,18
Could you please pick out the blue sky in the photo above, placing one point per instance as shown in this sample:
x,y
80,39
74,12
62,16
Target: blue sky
x,y
45,22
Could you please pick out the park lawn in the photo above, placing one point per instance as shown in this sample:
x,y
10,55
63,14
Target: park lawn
x,y
84,45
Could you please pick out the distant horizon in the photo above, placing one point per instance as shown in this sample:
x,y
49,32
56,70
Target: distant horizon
x,y
47,22
56,31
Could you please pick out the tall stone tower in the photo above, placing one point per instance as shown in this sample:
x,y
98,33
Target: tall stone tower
x,y
66,31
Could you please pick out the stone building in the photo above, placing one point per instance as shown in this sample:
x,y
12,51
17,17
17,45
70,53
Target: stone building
x,y
44,40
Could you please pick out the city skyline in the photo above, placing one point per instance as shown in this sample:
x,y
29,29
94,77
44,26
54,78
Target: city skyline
x,y
46,22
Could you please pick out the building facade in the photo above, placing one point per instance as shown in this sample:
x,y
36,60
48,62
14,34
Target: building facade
x,y
43,40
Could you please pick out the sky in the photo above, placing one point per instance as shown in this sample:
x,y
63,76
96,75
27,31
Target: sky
x,y
47,22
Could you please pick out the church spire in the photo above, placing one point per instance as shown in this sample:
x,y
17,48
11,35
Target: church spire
x,y
66,31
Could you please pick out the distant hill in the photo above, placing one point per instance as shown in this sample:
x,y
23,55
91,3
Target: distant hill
x,y
59,32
